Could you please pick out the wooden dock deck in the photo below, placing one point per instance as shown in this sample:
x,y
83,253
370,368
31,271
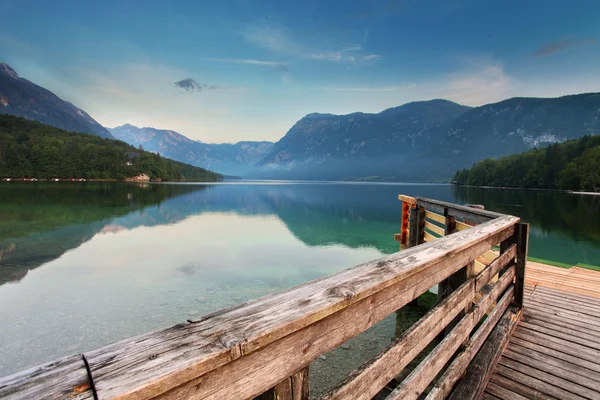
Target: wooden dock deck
x,y
554,353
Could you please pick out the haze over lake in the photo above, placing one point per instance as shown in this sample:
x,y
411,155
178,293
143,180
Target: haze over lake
x,y
84,265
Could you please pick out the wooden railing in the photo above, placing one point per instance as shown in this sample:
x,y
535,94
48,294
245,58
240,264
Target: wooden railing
x,y
265,346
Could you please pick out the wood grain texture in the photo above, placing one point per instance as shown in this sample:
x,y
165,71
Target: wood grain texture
x,y
472,214
435,217
367,381
479,372
66,378
160,361
419,379
444,385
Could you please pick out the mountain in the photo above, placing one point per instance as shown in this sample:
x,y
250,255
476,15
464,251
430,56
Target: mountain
x,y
230,159
427,140
30,149
23,98
519,124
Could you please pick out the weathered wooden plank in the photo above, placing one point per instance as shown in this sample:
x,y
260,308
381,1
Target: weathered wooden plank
x,y
480,370
570,390
534,383
587,309
368,380
476,215
586,338
444,385
550,352
519,388
522,240
434,228
546,291
495,266
540,294
421,227
413,227
428,237
575,325
414,384
565,346
435,217
487,396
503,393
66,378
407,199
572,314
301,385
588,341
157,362
252,374
461,226
552,368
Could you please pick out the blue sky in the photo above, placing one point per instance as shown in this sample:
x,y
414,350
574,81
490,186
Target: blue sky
x,y
224,71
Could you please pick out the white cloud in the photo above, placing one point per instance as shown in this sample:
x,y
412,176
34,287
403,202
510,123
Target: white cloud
x,y
376,89
278,39
249,61
479,81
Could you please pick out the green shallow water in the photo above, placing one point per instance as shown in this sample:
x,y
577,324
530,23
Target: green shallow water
x,y
84,265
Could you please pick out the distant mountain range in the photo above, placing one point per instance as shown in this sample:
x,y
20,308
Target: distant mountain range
x,y
22,98
427,140
230,159
419,141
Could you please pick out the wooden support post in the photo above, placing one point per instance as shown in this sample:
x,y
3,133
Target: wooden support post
x,y
413,226
444,287
296,387
522,237
421,226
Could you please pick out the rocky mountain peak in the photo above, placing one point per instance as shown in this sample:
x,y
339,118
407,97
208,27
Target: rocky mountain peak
x,y
7,69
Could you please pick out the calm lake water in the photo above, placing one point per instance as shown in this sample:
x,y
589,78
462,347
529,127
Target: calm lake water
x,y
84,265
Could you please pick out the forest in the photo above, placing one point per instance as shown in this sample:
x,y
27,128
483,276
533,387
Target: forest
x,y
572,165
30,149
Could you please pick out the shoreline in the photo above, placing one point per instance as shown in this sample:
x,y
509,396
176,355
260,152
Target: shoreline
x,y
530,189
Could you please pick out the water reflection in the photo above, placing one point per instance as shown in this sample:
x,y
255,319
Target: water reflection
x,y
109,261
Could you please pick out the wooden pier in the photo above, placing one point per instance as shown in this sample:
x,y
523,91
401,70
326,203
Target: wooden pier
x,y
498,330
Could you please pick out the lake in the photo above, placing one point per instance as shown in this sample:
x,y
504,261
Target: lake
x,y
87,264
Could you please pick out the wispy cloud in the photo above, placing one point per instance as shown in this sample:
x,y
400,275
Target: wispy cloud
x,y
249,61
560,45
279,40
479,81
190,85
375,89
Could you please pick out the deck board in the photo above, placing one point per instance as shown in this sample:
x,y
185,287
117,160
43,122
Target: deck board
x,y
555,351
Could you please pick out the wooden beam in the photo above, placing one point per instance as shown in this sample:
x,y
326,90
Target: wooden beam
x,y
444,385
421,227
413,227
434,228
407,199
495,266
428,237
472,214
367,381
435,217
461,226
472,385
66,378
426,371
522,236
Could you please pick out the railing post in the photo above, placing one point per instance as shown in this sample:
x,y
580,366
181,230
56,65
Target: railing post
x,y
413,226
296,387
522,240
421,228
